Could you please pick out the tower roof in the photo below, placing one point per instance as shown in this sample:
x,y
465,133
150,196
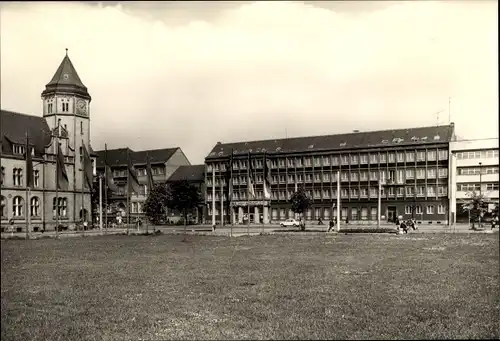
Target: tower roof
x,y
66,80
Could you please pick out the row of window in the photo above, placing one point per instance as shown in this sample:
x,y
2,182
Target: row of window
x,y
356,213
353,193
17,177
18,207
335,160
477,170
477,154
20,150
399,176
140,172
469,187
137,207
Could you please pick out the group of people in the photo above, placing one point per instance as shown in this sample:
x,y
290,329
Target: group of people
x,y
405,225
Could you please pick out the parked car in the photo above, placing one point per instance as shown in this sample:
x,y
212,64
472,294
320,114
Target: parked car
x,y
290,223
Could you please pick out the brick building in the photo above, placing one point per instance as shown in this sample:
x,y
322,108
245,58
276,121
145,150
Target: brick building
x,y
164,163
414,161
66,120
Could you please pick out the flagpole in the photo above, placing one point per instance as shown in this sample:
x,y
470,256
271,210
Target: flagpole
x,y
128,191
213,197
221,199
379,201
338,201
106,185
248,195
57,180
27,219
100,202
83,184
230,190
264,167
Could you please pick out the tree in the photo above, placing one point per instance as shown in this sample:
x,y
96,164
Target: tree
x,y
156,203
300,203
183,197
94,198
476,207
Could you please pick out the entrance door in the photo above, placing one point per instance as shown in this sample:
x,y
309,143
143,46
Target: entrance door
x,y
391,214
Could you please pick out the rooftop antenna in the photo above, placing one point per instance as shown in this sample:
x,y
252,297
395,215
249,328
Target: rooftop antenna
x,y
286,133
449,110
437,117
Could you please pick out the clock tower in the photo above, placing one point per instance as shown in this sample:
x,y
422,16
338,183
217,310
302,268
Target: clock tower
x,y
66,108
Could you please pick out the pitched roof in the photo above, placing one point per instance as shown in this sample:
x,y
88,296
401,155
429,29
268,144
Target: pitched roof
x,y
367,139
14,127
65,80
190,173
118,157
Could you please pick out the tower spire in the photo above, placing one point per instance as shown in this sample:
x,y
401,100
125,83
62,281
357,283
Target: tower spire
x,y
66,52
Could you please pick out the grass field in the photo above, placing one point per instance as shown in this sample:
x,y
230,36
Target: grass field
x,y
263,287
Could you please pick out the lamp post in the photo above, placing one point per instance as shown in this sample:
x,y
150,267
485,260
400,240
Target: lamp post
x,y
480,191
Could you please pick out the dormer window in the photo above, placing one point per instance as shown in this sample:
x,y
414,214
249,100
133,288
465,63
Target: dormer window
x,y
414,138
424,138
278,149
397,140
311,146
385,141
18,149
343,144
437,137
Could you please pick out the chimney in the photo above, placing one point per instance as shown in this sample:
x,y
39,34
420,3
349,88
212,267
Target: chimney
x,y
355,131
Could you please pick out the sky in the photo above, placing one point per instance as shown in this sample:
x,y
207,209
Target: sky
x,y
191,74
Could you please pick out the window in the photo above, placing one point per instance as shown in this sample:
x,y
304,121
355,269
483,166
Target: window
x,y
281,163
354,193
430,209
410,156
59,207
49,107
391,191
354,176
300,178
291,178
441,209
81,128
410,174
2,175
401,156
3,207
326,161
317,162
307,162
17,176
326,177
420,173
344,159
326,193
364,213
383,158
345,176
443,154
36,178
290,163
373,192
420,155
17,206
400,178
442,191
317,177
492,186
431,173
373,213
317,194
18,149
363,192
443,172
431,192
468,187
408,209
35,207
354,159
410,191
431,155
373,175
363,159
392,158
418,209
373,158
298,162
354,213
490,170
401,191
335,160
420,191
343,213
344,193
282,179
363,176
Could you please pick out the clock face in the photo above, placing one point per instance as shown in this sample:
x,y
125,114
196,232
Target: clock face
x,y
82,107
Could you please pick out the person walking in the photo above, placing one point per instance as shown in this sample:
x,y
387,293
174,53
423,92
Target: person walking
x,y
330,225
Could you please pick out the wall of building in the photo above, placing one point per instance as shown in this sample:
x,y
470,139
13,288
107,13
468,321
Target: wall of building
x,y
176,160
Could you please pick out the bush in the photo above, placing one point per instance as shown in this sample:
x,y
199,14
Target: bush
x,y
374,230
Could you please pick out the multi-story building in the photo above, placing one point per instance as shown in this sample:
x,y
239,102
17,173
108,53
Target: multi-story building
x,y
414,162
66,119
164,162
195,174
474,168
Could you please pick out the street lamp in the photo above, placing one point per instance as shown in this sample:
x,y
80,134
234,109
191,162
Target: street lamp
x,y
480,191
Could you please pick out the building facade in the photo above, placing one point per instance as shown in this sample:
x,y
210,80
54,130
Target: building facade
x,y
413,162
66,120
195,174
474,168
164,163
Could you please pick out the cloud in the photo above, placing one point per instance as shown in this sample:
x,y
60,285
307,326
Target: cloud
x,y
255,70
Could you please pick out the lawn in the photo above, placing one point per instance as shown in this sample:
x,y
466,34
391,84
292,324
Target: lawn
x,y
263,287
